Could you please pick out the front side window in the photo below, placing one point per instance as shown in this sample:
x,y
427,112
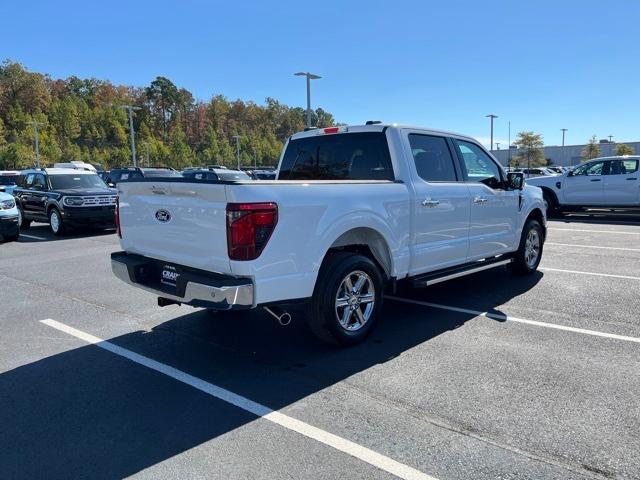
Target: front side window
x,y
622,167
29,181
344,156
70,181
432,157
480,167
595,168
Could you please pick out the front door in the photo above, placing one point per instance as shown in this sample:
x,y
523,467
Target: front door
x,y
440,234
494,209
586,185
622,184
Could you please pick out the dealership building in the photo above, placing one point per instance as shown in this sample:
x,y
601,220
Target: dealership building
x,y
567,155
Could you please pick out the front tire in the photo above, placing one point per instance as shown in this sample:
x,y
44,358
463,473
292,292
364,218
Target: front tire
x,y
529,254
56,223
23,223
347,299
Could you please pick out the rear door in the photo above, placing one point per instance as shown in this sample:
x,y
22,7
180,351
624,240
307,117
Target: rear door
x,y
586,185
440,236
494,209
181,223
621,185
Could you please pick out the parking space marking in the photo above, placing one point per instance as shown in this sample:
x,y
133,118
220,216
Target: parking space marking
x,y
593,246
509,318
615,232
32,236
595,274
371,457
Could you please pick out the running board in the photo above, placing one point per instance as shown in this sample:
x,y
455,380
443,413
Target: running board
x,y
443,275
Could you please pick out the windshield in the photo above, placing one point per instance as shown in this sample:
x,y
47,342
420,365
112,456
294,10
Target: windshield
x,y
161,172
69,181
8,179
233,175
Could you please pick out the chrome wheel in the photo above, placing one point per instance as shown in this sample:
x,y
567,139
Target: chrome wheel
x,y
54,221
532,248
355,301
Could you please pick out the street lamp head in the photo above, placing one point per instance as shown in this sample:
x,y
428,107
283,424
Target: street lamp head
x,y
491,115
312,76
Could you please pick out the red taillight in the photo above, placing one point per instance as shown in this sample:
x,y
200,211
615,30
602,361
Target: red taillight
x,y
117,218
332,130
249,227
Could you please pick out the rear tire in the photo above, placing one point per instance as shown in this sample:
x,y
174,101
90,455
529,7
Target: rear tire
x,y
529,254
347,299
56,223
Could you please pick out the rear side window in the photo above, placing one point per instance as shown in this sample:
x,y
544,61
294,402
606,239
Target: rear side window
x,y
432,157
622,167
347,156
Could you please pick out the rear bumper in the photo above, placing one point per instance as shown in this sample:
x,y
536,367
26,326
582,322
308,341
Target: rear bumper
x,y
193,287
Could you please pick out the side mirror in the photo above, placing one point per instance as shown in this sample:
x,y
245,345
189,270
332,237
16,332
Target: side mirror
x,y
570,173
515,180
111,185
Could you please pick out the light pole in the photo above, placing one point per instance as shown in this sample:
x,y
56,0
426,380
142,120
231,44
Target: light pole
x,y
146,151
610,137
130,109
509,148
237,139
310,76
497,145
37,140
564,130
491,116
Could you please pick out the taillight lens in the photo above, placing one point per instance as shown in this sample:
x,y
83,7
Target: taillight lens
x,y
249,227
117,218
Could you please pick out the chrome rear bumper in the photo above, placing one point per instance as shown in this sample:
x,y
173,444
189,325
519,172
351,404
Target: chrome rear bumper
x,y
194,287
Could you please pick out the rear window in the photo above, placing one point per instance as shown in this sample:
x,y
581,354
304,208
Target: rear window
x,y
347,156
233,175
160,173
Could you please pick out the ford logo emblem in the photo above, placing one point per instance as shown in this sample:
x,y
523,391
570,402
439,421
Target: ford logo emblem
x,y
163,215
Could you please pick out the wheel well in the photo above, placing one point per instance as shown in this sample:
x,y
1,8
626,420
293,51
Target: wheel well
x,y
50,207
551,193
369,243
536,214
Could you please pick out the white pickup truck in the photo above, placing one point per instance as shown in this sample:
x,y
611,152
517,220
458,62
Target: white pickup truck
x,y
354,209
607,182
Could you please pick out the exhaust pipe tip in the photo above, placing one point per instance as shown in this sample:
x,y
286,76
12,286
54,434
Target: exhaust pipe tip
x,y
285,319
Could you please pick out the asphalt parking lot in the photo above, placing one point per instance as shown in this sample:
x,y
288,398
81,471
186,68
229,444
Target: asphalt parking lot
x,y
484,377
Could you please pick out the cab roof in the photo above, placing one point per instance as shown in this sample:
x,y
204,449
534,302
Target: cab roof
x,y
58,171
375,127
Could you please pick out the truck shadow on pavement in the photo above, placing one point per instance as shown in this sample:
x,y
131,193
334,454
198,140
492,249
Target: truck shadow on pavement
x,y
629,217
86,412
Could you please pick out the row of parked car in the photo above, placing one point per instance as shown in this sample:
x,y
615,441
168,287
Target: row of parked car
x,y
76,194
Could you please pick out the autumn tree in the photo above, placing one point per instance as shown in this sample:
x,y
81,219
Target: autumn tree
x,y
591,149
531,150
624,149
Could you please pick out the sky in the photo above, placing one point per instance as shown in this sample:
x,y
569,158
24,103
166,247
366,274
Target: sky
x,y
542,65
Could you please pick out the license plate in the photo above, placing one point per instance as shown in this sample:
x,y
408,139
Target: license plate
x,y
169,275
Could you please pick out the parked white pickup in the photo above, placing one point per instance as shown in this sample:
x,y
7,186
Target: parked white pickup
x,y
353,208
603,182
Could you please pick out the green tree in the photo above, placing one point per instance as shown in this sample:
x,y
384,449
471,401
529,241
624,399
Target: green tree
x,y
164,95
624,149
531,148
591,149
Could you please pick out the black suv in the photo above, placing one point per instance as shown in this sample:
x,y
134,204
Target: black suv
x,y
64,198
118,174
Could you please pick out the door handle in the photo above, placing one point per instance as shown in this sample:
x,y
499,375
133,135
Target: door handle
x,y
632,178
430,203
595,179
479,200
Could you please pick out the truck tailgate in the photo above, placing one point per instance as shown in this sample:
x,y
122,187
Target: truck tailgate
x,y
182,223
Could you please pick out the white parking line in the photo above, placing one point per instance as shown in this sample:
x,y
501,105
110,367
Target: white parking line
x,y
509,318
595,274
32,236
615,232
593,246
366,455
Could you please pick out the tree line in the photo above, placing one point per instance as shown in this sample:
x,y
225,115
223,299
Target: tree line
x,y
531,150
83,119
